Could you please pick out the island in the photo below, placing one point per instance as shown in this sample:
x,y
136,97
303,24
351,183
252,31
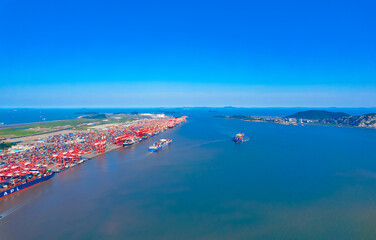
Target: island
x,y
318,117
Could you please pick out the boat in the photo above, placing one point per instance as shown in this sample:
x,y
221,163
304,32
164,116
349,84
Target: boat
x,y
239,137
62,169
130,142
159,145
23,186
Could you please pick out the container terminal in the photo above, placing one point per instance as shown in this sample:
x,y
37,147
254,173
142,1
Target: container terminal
x,y
40,161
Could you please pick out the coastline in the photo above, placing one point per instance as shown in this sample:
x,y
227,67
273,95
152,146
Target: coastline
x,y
277,120
59,152
92,155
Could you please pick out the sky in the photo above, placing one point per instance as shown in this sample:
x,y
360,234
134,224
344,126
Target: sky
x,y
70,53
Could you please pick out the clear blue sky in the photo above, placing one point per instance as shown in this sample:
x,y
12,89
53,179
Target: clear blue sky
x,y
71,53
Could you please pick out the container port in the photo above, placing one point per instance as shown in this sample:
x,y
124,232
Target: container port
x,y
38,161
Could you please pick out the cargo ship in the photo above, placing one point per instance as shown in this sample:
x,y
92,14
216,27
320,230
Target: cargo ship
x,y
25,184
159,145
130,142
239,137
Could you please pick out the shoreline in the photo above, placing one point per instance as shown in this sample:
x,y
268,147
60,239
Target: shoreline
x,y
61,152
297,124
95,154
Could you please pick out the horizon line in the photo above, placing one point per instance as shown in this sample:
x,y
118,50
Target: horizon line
x,y
145,107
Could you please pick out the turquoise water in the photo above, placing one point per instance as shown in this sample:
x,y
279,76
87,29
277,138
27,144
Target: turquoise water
x,y
286,182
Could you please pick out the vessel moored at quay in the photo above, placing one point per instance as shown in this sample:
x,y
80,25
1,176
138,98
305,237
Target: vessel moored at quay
x,y
25,183
39,162
131,141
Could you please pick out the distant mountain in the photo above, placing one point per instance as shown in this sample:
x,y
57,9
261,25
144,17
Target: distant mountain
x,y
337,118
366,120
315,117
318,115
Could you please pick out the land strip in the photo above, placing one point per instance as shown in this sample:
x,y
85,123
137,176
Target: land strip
x,y
315,117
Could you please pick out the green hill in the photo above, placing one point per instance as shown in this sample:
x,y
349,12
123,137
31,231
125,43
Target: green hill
x,y
318,115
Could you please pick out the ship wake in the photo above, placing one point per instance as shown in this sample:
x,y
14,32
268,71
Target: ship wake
x,y
13,209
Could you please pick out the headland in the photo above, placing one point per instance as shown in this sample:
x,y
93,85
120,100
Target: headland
x,y
315,117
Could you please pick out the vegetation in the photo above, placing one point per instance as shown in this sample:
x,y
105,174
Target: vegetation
x,y
6,145
366,120
318,115
62,123
17,132
113,120
79,123
337,118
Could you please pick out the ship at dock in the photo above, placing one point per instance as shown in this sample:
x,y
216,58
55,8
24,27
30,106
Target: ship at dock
x,y
239,137
159,145
10,185
131,141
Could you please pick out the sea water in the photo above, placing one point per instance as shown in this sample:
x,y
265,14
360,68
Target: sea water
x,y
286,182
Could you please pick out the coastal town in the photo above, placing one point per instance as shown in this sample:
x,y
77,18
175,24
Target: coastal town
x,y
315,117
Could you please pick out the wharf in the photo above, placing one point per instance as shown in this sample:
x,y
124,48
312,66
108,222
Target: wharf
x,y
92,155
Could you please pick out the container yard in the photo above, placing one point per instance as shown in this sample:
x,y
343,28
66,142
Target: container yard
x,y
36,161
